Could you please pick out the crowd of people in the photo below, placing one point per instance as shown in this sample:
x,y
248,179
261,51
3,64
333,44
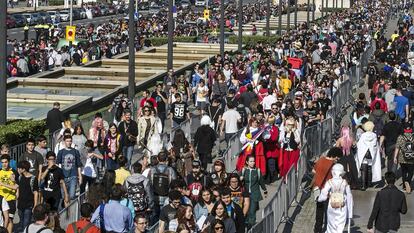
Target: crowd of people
x,y
48,49
268,94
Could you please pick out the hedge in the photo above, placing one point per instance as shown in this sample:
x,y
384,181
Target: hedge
x,y
56,2
253,40
158,41
17,132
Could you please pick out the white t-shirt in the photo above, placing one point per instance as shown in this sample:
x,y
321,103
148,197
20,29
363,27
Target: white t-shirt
x,y
231,116
268,101
202,93
4,207
89,168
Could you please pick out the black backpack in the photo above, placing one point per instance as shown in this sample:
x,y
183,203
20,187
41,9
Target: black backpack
x,y
160,182
408,149
136,192
378,126
241,109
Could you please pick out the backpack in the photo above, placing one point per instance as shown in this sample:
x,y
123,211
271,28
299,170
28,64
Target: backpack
x,y
378,125
83,230
136,192
408,149
241,109
160,182
337,197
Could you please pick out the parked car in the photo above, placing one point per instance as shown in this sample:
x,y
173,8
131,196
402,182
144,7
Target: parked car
x,y
104,10
20,20
154,9
45,17
76,14
54,15
185,3
64,15
10,22
200,2
30,19
37,18
96,11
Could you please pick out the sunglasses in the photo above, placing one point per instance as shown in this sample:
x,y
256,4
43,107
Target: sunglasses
x,y
219,228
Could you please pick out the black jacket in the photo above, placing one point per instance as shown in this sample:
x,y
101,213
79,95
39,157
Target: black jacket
x,y
204,139
388,205
125,129
238,217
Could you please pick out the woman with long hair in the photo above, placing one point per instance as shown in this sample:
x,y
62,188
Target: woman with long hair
x,y
346,142
219,174
239,194
97,133
79,137
217,226
219,212
146,127
219,89
253,181
96,194
181,153
108,182
205,204
112,147
289,139
184,216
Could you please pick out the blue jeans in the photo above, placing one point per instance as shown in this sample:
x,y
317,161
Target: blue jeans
x,y
25,216
127,152
71,183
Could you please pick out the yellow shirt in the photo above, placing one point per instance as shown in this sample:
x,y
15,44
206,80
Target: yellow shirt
x,y
120,175
394,36
285,85
6,178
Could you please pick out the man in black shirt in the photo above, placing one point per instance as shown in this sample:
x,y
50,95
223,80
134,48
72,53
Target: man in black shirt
x,y
54,181
323,103
311,114
162,99
27,194
388,139
215,112
179,111
168,212
33,157
54,118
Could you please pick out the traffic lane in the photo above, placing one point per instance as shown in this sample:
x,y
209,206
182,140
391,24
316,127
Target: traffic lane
x,y
18,33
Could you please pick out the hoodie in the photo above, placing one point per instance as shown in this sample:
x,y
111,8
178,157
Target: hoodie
x,y
204,139
137,178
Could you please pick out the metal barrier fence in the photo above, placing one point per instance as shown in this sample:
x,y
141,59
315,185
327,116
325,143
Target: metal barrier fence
x,y
233,150
72,212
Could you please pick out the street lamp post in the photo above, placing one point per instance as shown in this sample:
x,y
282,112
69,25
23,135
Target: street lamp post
x,y
131,50
221,28
327,6
268,18
322,6
296,14
71,12
3,66
280,17
240,26
307,13
170,34
313,10
288,15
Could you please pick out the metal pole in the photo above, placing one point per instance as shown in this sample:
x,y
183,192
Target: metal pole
x,y
288,15
71,12
313,10
240,26
342,3
222,28
131,51
280,17
308,13
296,14
327,6
268,18
322,6
3,67
170,35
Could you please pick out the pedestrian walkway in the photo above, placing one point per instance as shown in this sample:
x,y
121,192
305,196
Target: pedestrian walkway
x,y
31,9
303,216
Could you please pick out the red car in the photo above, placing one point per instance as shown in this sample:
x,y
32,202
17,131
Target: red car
x,y
10,22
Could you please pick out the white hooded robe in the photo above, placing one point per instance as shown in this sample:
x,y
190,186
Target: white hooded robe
x,y
369,141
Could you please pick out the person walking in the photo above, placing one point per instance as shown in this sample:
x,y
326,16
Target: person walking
x,y
340,207
41,217
388,204
404,154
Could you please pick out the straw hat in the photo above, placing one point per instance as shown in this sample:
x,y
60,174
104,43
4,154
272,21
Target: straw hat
x,y
368,126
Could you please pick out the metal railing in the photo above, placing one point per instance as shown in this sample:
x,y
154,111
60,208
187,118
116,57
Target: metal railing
x,y
71,213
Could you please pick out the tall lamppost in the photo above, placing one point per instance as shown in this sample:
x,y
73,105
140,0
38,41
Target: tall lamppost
x,y
280,17
268,18
288,15
295,19
221,28
170,34
313,10
131,50
3,66
307,13
240,40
